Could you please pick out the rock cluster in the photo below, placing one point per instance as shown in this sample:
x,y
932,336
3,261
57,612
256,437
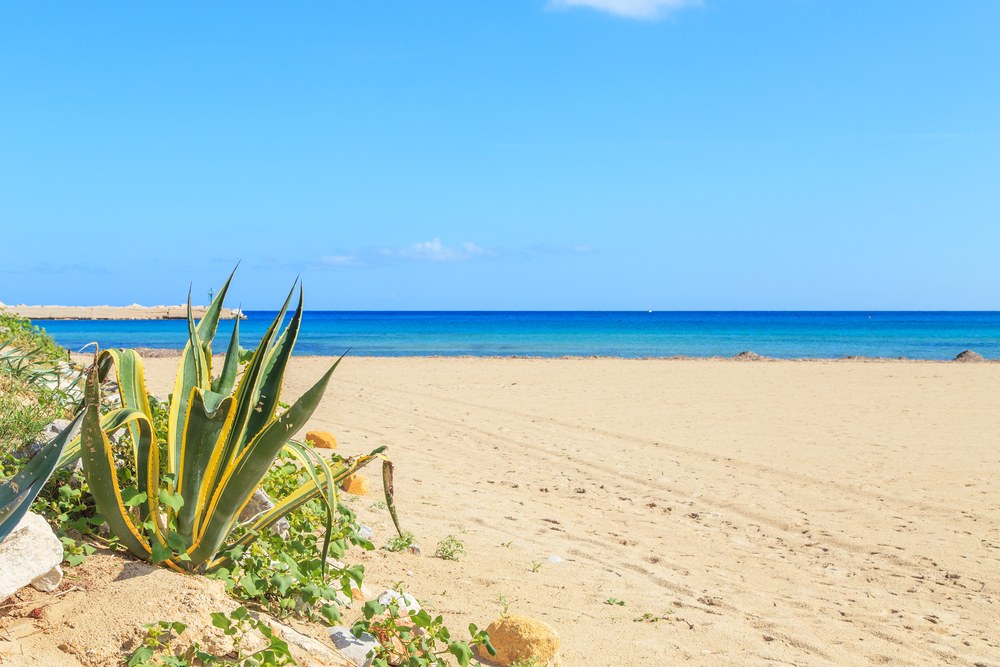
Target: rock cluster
x,y
747,355
968,356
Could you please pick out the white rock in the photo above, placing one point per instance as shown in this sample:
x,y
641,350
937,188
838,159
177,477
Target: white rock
x,y
555,559
301,641
259,503
30,553
49,581
359,651
366,533
404,601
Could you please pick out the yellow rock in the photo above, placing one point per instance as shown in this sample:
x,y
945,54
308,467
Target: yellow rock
x,y
521,638
356,484
322,439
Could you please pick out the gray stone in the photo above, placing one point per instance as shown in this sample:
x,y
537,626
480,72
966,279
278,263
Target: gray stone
x,y
49,432
970,357
258,504
31,554
359,651
366,533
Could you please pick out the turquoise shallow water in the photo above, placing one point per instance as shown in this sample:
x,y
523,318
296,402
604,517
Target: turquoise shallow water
x,y
916,335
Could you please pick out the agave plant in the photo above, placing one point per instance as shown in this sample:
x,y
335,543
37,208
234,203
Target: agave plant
x,y
18,492
223,434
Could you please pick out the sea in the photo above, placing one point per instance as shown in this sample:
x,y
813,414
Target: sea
x,y
790,335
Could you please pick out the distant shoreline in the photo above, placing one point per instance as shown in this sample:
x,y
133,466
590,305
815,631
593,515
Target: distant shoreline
x,y
133,312
742,358
627,335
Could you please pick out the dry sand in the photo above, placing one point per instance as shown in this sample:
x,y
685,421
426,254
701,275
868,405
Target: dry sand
x,y
807,513
97,615
783,512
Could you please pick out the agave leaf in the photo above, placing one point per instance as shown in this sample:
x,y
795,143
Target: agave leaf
x,y
245,473
390,493
18,492
132,389
327,488
203,362
206,428
101,473
310,490
246,390
189,373
269,391
227,379
210,320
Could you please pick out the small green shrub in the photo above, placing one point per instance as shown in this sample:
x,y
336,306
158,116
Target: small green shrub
x,y
424,638
450,548
528,662
19,332
400,542
158,648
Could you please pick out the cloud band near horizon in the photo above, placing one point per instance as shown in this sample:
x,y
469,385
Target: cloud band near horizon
x,y
634,9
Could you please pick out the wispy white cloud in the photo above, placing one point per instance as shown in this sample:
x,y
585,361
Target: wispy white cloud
x,y
424,251
340,260
633,9
436,251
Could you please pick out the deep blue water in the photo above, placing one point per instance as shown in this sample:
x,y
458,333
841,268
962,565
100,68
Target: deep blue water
x,y
917,335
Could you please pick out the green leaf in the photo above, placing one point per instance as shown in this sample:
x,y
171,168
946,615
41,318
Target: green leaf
x,y
220,620
373,608
461,651
172,500
132,497
142,655
331,613
248,585
176,542
282,582
160,552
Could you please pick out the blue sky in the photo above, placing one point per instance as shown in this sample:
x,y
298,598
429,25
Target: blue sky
x,y
517,154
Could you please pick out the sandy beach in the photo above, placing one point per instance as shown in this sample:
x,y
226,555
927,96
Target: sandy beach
x,y
768,513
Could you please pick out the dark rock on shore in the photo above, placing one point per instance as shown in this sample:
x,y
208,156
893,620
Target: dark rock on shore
x,y
747,355
968,356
